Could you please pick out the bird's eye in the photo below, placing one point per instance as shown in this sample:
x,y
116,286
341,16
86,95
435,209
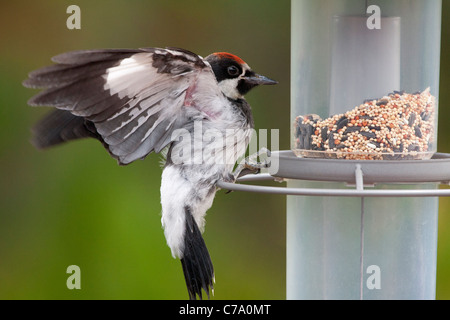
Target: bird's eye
x,y
233,70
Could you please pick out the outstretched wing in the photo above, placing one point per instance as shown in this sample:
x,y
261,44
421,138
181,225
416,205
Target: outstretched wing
x,y
132,99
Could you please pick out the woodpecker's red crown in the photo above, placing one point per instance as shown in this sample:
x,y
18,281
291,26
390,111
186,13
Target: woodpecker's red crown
x,y
234,76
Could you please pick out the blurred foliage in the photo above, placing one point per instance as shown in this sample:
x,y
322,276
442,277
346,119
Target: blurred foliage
x,y
74,205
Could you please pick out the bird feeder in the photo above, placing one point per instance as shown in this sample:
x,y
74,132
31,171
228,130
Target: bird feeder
x,y
363,170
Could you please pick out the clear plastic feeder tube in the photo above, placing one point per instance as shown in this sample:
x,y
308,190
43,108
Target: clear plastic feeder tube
x,y
364,86
365,78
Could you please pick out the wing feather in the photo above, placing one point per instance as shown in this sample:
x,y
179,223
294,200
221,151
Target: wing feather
x,y
81,57
133,98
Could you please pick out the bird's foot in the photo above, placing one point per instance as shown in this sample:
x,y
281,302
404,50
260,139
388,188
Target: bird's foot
x,y
253,163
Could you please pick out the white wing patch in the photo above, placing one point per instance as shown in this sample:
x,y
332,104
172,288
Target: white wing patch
x,y
120,79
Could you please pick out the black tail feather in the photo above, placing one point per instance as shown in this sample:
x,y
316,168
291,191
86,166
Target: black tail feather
x,y
57,127
196,262
60,126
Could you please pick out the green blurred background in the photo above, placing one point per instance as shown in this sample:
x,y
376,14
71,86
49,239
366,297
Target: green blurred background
x,y
75,205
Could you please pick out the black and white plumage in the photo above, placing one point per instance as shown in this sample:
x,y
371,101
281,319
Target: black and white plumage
x,y
138,101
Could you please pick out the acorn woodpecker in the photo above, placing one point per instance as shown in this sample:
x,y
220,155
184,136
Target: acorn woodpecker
x,y
173,101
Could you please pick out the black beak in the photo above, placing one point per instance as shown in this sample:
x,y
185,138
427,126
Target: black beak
x,y
257,79
251,80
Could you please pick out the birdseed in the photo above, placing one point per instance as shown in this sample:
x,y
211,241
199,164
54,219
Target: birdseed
x,y
397,126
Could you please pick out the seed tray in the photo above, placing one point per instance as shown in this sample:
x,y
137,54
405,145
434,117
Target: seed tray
x,y
435,169
399,126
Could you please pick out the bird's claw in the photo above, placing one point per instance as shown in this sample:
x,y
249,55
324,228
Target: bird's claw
x,y
251,165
